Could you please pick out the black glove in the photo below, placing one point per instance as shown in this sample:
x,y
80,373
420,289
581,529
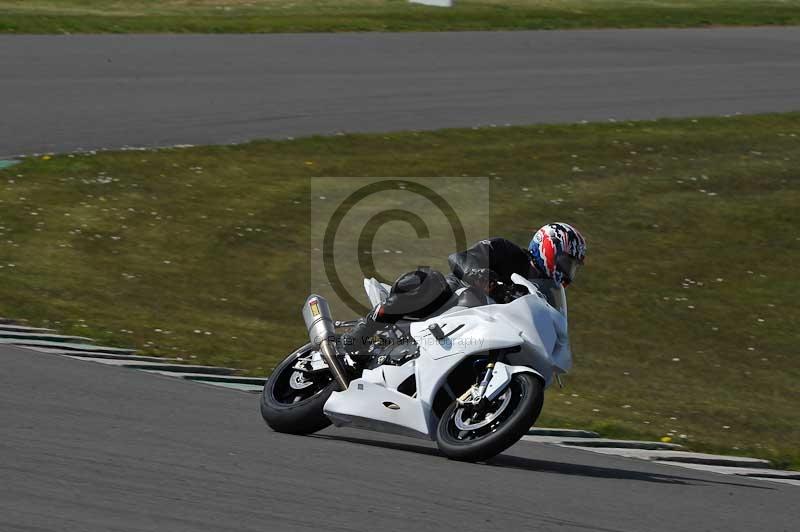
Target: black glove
x,y
509,293
518,290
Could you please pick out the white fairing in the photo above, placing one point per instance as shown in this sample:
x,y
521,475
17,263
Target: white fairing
x,y
377,292
538,329
561,352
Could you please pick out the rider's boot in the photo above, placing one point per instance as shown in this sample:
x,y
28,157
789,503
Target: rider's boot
x,y
356,341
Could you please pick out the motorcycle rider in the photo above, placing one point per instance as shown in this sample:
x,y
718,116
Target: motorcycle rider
x,y
555,252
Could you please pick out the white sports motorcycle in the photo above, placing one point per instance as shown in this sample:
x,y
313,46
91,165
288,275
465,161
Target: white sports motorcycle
x,y
471,379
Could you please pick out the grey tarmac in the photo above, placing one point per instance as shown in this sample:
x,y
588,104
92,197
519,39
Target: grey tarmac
x,y
94,448
66,93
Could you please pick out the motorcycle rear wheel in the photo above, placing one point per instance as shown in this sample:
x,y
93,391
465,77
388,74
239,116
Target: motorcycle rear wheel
x,y
291,402
507,419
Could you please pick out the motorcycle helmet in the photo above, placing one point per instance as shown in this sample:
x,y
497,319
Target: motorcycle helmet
x,y
557,250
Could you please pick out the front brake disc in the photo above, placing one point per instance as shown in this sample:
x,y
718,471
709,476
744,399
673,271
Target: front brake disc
x,y
298,381
501,402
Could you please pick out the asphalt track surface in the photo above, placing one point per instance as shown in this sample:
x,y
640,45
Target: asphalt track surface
x,y
92,448
65,93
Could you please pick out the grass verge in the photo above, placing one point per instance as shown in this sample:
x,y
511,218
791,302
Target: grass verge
x,y
684,322
271,16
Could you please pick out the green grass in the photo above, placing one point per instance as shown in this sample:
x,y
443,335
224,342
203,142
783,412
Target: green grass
x,y
267,16
683,322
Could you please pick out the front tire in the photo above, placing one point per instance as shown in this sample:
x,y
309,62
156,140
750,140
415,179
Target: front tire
x,y
291,402
508,418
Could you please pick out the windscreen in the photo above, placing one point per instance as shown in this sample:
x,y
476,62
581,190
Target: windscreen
x,y
554,293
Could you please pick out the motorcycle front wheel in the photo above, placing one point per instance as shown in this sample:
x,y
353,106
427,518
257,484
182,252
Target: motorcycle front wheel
x,y
292,400
473,436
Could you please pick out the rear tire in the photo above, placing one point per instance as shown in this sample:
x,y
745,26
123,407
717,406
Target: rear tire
x,y
522,407
291,409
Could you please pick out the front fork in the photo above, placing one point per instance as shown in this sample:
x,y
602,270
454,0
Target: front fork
x,y
475,396
494,379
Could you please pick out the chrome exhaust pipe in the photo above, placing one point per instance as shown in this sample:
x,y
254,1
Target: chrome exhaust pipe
x,y
317,315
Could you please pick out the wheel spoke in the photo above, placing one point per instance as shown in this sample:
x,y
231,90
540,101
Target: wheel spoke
x,y
468,423
285,393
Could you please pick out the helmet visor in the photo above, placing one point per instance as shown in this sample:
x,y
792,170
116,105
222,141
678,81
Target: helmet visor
x,y
568,266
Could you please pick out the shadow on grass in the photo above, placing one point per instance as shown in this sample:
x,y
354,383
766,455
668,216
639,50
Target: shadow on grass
x,y
546,466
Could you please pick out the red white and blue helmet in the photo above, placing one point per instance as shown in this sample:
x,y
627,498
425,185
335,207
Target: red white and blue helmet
x,y
557,249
